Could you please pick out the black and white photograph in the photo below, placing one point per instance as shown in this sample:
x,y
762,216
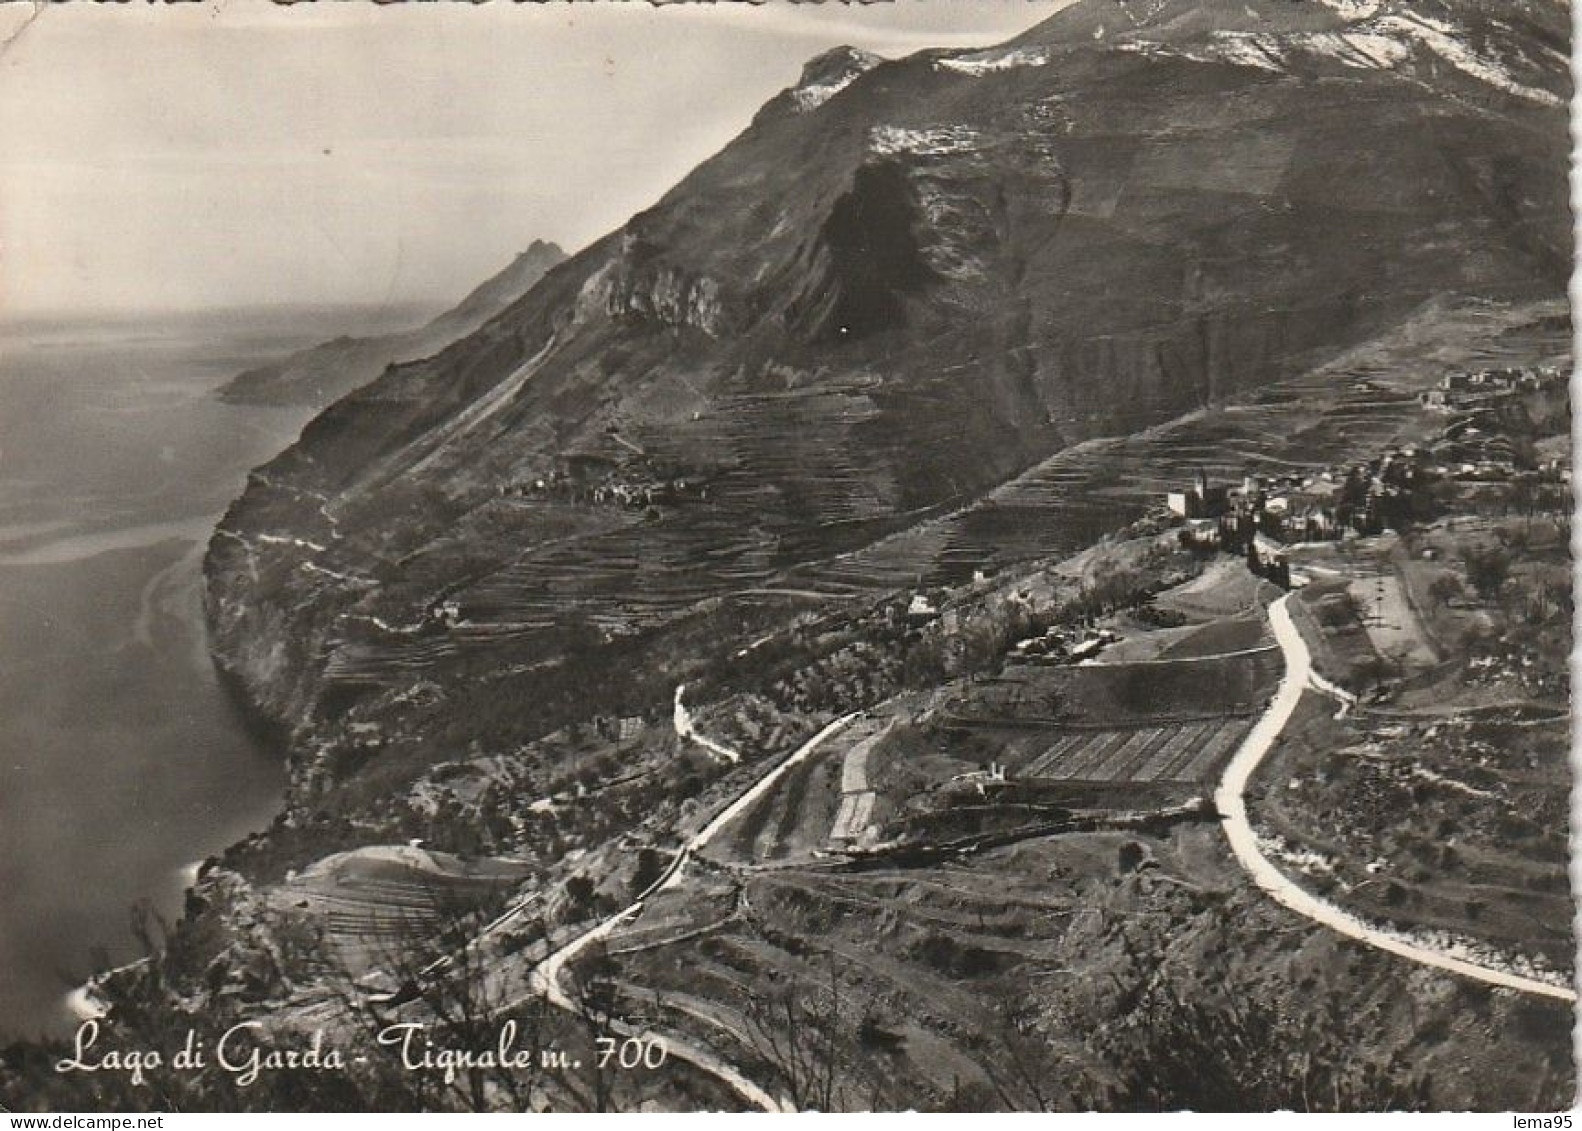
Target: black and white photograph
x,y
665,557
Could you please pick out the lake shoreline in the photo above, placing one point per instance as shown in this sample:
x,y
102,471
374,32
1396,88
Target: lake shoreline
x,y
127,761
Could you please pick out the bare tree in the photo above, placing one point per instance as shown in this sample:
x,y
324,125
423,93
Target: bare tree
x,y
1226,1052
591,986
1445,588
1487,569
796,1026
1031,1074
462,998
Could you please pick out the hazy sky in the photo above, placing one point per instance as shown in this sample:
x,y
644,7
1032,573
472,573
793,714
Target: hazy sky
x,y
183,156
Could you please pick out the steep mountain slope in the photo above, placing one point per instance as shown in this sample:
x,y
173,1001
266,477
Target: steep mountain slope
x,y
903,284
326,372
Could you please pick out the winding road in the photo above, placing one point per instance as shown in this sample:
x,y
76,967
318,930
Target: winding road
x,y
1230,799
686,729
545,977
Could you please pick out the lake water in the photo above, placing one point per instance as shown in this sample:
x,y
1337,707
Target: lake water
x,y
122,761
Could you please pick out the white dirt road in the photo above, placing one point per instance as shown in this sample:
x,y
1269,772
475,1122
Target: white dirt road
x,y
1230,800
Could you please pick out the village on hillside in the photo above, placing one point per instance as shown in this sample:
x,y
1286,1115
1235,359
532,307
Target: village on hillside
x,y
1268,518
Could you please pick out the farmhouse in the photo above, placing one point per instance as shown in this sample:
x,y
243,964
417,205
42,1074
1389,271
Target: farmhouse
x,y
1089,648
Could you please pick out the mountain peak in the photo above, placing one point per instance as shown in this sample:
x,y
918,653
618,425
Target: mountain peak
x,y
1179,20
542,250
1524,53
1184,20
827,74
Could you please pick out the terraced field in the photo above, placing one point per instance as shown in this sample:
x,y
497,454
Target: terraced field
x,y
390,663
824,800
1169,723
1189,752
1357,403
373,902
727,987
624,579
1067,501
1146,692
641,573
847,540
911,974
1224,590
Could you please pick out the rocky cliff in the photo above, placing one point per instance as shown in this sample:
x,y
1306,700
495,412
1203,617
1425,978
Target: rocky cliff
x,y
902,284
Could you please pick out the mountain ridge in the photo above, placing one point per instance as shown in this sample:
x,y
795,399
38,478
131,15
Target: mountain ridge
x,y
982,258
322,374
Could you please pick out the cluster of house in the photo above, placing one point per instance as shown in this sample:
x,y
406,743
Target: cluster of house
x,y
1476,446
1365,497
645,493
1460,391
1262,516
602,483
1470,450
1063,646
